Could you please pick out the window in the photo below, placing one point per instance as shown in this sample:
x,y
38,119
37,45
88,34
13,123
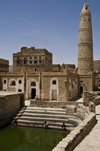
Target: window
x,y
35,61
54,82
30,57
35,57
40,57
40,61
46,62
4,81
70,82
4,89
33,83
19,90
73,85
18,61
20,81
35,69
76,81
30,62
25,61
69,93
13,83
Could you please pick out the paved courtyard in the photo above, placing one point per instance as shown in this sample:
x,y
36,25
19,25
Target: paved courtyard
x,y
92,141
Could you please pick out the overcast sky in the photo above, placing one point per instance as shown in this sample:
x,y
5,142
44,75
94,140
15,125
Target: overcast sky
x,y
50,24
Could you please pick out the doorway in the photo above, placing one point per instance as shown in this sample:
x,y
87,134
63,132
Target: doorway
x,y
54,94
33,93
81,89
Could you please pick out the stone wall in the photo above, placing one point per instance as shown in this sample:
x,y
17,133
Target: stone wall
x,y
54,104
9,106
78,134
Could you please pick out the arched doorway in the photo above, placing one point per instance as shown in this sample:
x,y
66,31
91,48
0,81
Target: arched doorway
x,y
81,89
54,89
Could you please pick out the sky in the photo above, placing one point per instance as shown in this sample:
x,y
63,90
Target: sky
x,y
50,24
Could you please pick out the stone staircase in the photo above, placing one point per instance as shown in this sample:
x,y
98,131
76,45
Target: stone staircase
x,y
54,117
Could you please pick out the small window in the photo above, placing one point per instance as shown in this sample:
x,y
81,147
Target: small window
x,y
33,83
99,85
40,57
30,57
4,89
35,57
35,69
19,90
86,8
46,62
4,81
54,82
20,81
26,68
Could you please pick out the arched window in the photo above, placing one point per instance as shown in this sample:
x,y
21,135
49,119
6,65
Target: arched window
x,y
54,82
20,81
13,83
33,83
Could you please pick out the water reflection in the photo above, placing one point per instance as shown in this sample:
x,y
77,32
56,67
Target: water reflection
x,y
29,139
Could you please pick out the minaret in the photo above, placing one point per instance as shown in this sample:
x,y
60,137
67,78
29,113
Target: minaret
x,y
85,50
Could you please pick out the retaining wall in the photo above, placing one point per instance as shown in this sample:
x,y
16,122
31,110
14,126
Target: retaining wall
x,y
78,134
9,105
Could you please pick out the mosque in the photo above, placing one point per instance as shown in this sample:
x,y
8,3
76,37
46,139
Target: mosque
x,y
38,78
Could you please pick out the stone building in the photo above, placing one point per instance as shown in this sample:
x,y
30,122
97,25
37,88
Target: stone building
x,y
4,65
85,51
36,76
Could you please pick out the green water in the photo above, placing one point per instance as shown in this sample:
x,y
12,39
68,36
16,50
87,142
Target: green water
x,y
29,139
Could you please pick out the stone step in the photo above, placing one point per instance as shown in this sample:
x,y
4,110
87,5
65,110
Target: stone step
x,y
42,123
47,112
49,127
47,115
43,119
46,109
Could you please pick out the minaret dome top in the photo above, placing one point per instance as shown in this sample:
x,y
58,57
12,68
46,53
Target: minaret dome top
x,y
86,9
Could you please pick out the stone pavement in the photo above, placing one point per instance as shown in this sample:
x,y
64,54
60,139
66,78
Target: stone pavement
x,y
92,141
